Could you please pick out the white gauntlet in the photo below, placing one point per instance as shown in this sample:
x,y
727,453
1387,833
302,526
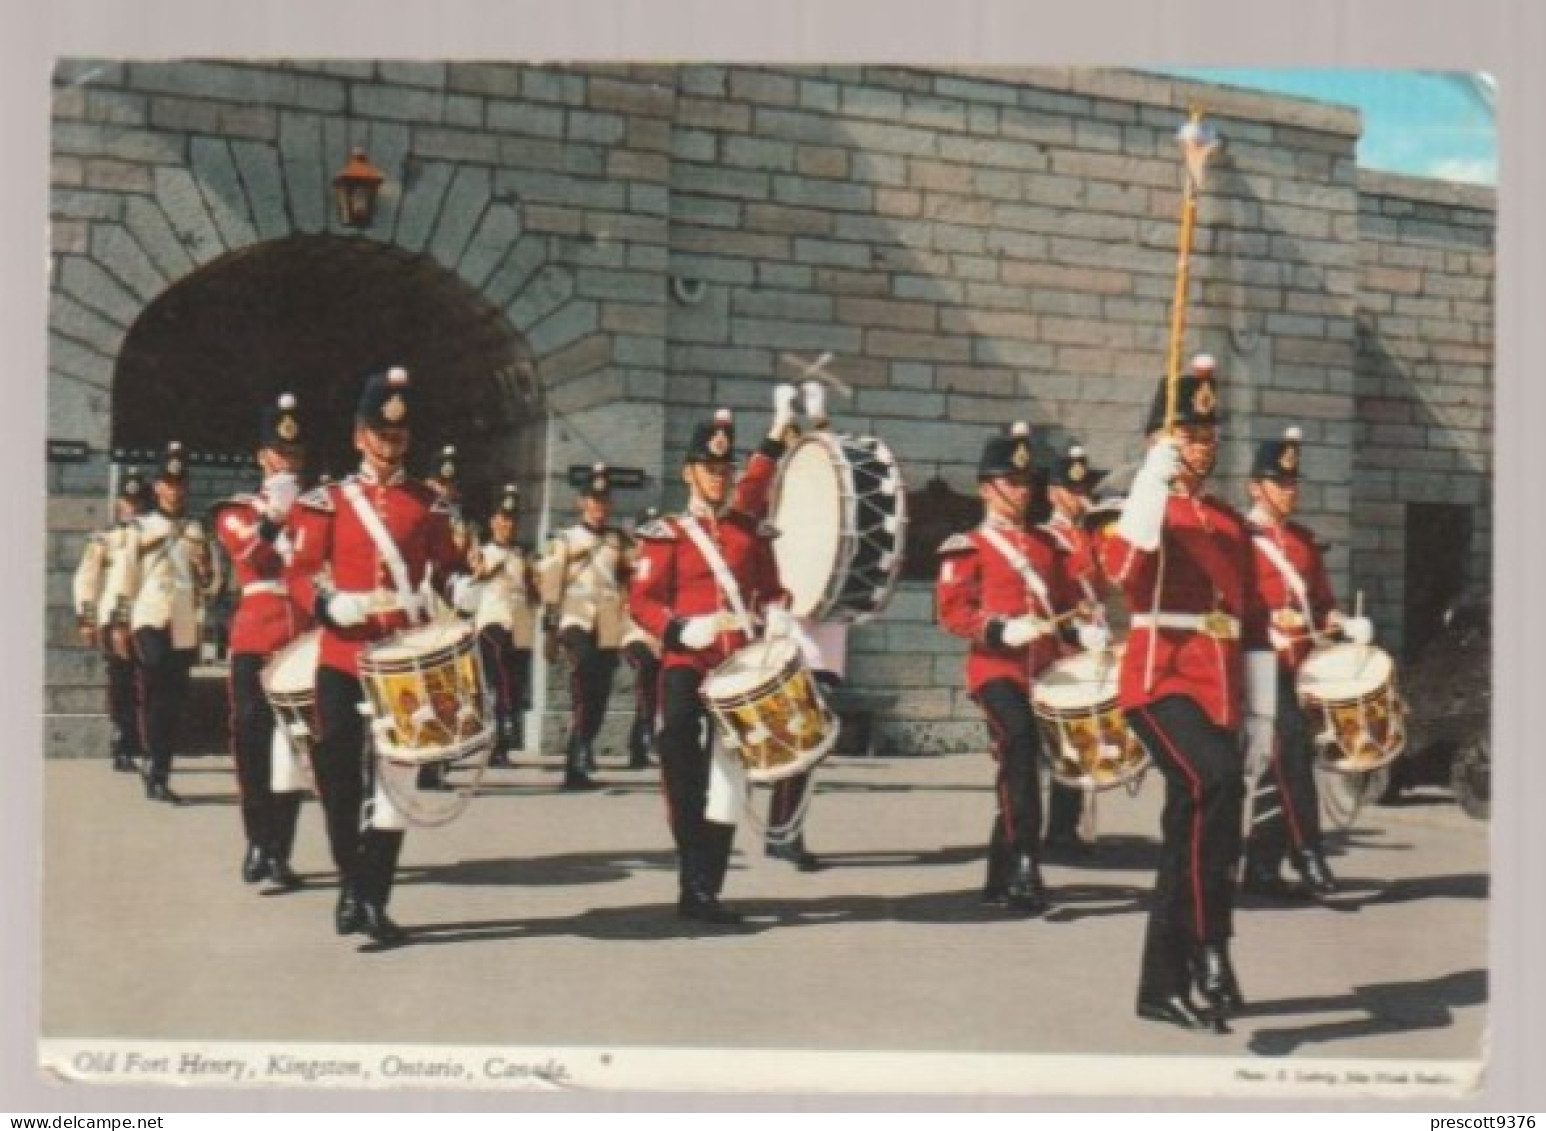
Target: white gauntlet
x,y
1143,516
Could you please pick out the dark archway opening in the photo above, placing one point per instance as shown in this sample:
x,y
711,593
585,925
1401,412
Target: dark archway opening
x,y
313,315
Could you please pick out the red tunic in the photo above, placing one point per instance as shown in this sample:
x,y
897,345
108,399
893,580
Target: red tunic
x,y
1290,621
327,533
978,590
267,617
1081,561
1205,561
672,579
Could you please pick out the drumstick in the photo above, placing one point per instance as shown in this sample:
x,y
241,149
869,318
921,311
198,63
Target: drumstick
x,y
817,370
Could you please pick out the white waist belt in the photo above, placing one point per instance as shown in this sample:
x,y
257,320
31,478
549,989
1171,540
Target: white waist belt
x,y
277,587
1221,626
382,601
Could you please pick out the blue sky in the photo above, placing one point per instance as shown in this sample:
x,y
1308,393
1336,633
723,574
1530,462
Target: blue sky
x,y
1439,124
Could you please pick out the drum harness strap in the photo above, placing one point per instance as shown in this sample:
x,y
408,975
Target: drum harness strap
x,y
1033,582
1295,583
387,548
721,571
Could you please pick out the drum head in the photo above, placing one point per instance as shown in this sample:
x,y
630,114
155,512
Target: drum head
x,y
1344,673
414,643
1078,683
294,667
811,513
749,670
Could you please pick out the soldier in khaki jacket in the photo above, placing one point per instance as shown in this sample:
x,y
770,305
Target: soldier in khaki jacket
x,y
584,583
170,574
505,617
96,585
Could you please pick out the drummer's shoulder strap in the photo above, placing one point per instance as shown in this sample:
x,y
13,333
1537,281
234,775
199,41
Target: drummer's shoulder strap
x,y
1021,565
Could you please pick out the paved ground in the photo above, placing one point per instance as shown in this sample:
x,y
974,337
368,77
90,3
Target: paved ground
x,y
544,919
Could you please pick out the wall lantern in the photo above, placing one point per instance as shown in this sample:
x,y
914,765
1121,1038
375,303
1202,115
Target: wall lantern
x,y
355,188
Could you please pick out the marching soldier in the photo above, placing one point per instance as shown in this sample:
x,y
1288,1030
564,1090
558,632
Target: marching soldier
x,y
170,575
251,528
1291,577
701,576
1005,589
1069,483
583,578
642,652
505,618
96,590
362,551
1183,559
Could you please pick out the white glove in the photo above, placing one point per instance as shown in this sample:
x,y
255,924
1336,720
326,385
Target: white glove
x,y
814,395
1359,630
1019,631
348,609
784,397
466,594
1143,515
1094,637
780,622
699,632
280,490
1163,460
1259,735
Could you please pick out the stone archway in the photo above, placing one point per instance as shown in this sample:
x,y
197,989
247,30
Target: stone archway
x,y
312,314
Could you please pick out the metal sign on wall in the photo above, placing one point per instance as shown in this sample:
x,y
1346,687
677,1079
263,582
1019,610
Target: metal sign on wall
x,y
579,476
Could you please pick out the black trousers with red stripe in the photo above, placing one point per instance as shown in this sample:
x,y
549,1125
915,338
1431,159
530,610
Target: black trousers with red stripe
x,y
590,681
123,703
1017,752
268,818
646,682
1287,812
508,669
164,674
702,846
1194,891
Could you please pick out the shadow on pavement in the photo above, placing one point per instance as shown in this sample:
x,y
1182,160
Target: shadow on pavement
x,y
1386,1007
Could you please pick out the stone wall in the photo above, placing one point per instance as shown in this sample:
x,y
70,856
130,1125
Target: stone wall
x,y
1425,375
973,247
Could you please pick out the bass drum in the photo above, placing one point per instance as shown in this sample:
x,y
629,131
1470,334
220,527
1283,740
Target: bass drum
x,y
840,507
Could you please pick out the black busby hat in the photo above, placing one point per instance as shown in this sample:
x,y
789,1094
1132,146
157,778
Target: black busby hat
x,y
1278,460
1007,456
132,486
509,503
386,399
1072,472
1197,397
713,441
174,465
598,484
278,425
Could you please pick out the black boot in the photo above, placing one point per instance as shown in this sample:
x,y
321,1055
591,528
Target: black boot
x,y
156,789
123,758
1174,1009
375,922
254,864
794,852
504,742
1263,879
995,890
286,815
1027,895
347,916
639,745
1312,867
576,777
1215,979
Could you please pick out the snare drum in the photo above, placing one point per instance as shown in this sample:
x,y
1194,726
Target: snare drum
x,y
769,711
428,694
289,682
1351,690
840,506
1083,733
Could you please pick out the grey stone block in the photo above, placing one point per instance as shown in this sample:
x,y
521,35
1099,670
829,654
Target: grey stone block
x,y
84,325
215,169
431,75
525,118
566,325
114,247
94,288
68,356
466,199
549,289
76,204
498,230
99,139
257,164
400,104
423,198
308,190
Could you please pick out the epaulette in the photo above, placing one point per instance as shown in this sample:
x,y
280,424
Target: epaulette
x,y
956,544
317,499
657,530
